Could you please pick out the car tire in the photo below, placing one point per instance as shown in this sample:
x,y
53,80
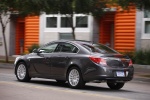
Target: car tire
x,y
22,73
74,78
115,85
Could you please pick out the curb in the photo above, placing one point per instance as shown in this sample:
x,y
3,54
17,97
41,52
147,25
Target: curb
x,y
6,65
139,79
141,66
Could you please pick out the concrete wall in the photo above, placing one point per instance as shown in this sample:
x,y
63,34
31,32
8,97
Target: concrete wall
x,y
139,16
142,39
95,31
51,34
145,44
7,35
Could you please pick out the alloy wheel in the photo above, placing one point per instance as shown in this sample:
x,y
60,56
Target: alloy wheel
x,y
21,71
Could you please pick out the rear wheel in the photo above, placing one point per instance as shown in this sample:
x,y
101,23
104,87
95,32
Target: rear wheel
x,y
74,78
22,72
115,85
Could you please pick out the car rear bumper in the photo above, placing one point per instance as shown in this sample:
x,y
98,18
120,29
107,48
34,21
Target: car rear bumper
x,y
110,74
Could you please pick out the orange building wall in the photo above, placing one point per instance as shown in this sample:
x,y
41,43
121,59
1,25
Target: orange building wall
x,y
31,31
124,38
124,29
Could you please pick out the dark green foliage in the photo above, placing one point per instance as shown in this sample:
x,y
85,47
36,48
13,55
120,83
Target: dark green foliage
x,y
95,7
142,57
32,47
139,57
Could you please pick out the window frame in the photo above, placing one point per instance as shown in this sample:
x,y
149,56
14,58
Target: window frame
x,y
66,29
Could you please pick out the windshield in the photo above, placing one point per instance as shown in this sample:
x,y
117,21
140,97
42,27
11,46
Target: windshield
x,y
99,48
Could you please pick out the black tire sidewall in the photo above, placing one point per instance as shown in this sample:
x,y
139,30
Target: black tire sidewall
x,y
81,83
26,78
115,87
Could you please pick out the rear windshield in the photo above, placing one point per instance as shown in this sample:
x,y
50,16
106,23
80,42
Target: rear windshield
x,y
99,48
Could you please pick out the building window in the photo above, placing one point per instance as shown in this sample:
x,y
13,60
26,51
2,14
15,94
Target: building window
x,y
51,22
65,21
66,36
82,21
147,27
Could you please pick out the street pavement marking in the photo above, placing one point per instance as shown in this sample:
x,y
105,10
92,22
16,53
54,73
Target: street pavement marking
x,y
62,90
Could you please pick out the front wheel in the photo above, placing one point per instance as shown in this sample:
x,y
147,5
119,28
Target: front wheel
x,y
115,85
22,72
74,78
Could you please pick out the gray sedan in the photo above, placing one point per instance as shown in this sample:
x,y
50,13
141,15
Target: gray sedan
x,y
75,62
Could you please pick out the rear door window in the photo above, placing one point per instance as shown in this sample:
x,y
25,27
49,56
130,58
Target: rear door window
x,y
48,48
66,47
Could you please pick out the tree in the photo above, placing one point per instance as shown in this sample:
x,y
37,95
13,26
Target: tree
x,y
71,7
19,8
5,11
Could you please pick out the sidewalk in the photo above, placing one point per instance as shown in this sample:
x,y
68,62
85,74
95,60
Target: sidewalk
x,y
141,72
11,58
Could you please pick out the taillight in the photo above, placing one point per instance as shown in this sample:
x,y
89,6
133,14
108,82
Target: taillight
x,y
98,60
130,63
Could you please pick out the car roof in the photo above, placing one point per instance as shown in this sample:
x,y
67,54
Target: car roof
x,y
75,41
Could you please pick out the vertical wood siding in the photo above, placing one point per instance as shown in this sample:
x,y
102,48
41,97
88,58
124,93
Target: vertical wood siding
x,y
124,39
19,34
105,28
31,31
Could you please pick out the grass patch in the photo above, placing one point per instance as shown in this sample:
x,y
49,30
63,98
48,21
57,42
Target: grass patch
x,y
148,76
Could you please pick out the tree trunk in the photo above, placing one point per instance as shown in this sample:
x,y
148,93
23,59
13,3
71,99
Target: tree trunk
x,y
73,27
73,33
5,45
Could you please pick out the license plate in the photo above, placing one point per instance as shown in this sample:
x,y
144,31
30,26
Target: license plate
x,y
120,74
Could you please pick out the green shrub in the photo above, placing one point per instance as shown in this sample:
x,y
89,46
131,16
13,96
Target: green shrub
x,y
139,57
142,57
32,47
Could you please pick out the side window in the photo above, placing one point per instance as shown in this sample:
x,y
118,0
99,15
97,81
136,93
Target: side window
x,y
66,47
51,22
90,48
82,22
65,22
49,48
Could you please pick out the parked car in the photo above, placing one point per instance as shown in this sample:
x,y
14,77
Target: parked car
x,y
75,62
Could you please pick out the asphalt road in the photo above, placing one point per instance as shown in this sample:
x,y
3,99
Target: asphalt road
x,y
44,89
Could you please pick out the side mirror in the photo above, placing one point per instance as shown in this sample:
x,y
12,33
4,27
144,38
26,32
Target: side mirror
x,y
35,51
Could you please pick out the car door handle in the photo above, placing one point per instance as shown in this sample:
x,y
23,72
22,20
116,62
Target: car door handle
x,y
67,57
